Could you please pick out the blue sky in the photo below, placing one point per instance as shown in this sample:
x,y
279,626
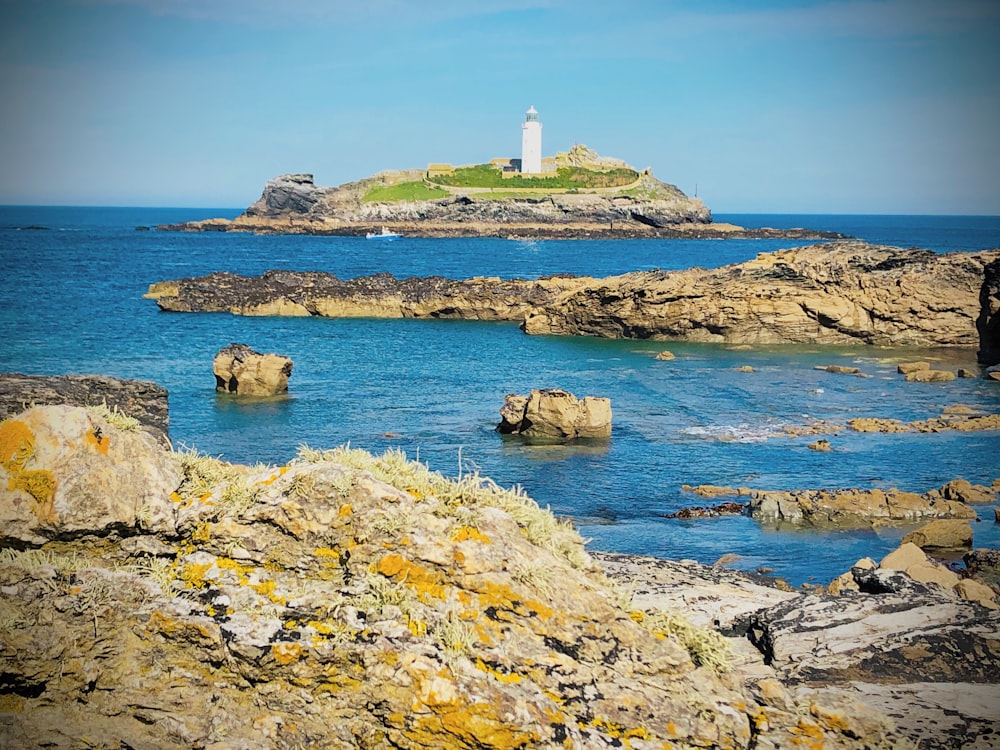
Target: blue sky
x,y
823,106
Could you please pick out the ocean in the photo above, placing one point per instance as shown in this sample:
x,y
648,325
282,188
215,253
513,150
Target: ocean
x,y
71,302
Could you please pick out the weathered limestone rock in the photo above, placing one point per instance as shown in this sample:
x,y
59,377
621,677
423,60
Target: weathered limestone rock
x,y
239,369
929,376
139,399
993,373
963,491
905,368
666,355
853,507
895,630
820,445
348,601
65,471
836,293
942,533
555,414
910,559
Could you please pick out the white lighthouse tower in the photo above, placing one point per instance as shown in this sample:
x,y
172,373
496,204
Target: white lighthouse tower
x,y
531,143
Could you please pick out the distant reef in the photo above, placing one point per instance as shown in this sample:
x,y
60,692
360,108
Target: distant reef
x,y
584,198
832,293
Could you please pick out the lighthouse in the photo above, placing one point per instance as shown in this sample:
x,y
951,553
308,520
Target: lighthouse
x,y
531,143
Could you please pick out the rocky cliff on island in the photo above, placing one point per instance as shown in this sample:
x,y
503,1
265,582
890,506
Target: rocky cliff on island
x,y
581,201
834,293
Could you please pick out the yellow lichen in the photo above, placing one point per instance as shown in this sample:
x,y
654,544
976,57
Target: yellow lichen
x,y
202,532
396,567
469,532
194,574
505,677
286,653
17,445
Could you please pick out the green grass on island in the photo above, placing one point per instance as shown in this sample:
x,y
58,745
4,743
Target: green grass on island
x,y
565,179
404,191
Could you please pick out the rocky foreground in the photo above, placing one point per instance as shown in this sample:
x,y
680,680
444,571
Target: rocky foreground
x,y
834,293
294,204
159,599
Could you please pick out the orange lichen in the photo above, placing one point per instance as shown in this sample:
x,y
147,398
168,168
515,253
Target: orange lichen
x,y
470,532
17,445
286,653
505,677
98,441
345,510
272,479
401,570
503,597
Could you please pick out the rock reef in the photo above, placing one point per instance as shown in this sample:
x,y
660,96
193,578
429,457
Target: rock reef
x,y
834,293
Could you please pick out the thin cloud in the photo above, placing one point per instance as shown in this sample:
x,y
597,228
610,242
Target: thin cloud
x,y
346,12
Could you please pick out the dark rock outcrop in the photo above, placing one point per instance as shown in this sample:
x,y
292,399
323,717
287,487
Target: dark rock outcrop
x,y
927,658
988,322
378,296
140,399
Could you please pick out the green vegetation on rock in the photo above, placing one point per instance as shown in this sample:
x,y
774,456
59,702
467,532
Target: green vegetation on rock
x,y
404,191
566,178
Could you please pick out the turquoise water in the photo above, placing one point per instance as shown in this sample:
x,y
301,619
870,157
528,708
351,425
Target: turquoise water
x,y
71,301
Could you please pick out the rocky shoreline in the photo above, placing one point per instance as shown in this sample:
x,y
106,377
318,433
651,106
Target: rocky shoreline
x,y
834,293
294,204
155,599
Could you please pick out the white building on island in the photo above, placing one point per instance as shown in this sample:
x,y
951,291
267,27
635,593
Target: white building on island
x,y
531,143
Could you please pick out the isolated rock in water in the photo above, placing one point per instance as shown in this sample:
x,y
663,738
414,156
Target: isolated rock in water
x,y
555,414
964,491
65,471
239,369
140,399
853,507
929,376
942,533
905,368
666,355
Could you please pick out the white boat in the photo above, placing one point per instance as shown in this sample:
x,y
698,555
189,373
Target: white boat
x,y
385,234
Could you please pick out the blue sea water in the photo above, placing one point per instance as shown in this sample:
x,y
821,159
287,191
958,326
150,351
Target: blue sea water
x,y
71,301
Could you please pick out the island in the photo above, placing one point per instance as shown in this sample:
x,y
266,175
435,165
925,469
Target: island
x,y
573,195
